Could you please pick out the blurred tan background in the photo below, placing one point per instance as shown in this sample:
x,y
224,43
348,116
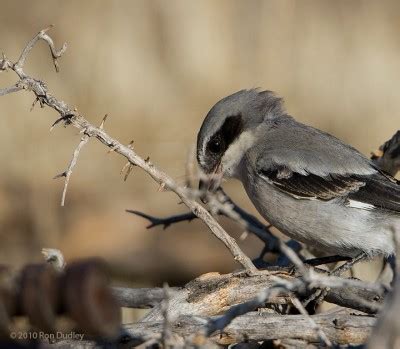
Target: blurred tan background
x,y
157,67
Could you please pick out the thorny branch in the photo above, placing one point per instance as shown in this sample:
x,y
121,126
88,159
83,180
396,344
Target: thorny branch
x,y
223,205
72,117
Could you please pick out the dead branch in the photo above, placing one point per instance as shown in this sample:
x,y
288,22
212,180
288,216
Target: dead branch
x,y
165,222
340,327
166,334
11,89
225,206
71,117
67,173
213,294
140,298
323,337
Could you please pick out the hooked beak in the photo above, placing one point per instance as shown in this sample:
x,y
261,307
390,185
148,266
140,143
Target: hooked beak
x,y
211,182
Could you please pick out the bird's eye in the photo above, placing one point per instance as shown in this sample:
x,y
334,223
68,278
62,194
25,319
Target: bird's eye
x,y
215,146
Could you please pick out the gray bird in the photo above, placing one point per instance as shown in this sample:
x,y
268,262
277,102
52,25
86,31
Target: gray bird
x,y
310,185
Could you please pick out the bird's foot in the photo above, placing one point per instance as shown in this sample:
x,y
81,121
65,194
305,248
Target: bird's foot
x,y
348,265
319,294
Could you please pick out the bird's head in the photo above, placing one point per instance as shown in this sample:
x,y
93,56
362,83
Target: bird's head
x,y
228,131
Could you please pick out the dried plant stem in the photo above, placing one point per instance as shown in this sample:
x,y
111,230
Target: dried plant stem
x,y
71,117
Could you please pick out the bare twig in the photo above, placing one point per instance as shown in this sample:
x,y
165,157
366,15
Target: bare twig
x,y
71,117
165,222
221,322
141,298
7,90
341,327
41,36
296,302
308,280
68,172
214,294
166,335
227,208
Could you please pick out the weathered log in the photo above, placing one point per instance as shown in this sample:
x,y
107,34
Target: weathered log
x,y
212,294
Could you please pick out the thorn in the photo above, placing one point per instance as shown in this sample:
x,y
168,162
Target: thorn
x,y
56,66
161,187
113,148
147,160
244,235
103,121
61,118
130,145
45,30
34,103
62,174
124,167
128,171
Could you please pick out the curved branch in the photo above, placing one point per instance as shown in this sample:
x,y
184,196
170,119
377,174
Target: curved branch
x,y
71,117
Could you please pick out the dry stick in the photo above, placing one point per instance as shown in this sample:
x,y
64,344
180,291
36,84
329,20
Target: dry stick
x,y
166,335
222,321
150,297
67,173
213,294
247,220
308,279
240,309
41,36
341,326
7,90
165,222
71,117
296,302
280,286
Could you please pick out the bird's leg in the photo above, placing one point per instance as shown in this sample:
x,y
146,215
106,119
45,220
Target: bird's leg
x,y
325,260
259,261
318,296
315,262
349,264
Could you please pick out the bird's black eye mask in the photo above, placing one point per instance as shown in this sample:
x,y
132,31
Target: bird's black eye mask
x,y
222,139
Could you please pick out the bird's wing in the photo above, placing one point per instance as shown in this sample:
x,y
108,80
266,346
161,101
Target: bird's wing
x,y
309,164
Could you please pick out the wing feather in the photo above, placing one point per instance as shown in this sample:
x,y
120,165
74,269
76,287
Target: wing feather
x,y
311,164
